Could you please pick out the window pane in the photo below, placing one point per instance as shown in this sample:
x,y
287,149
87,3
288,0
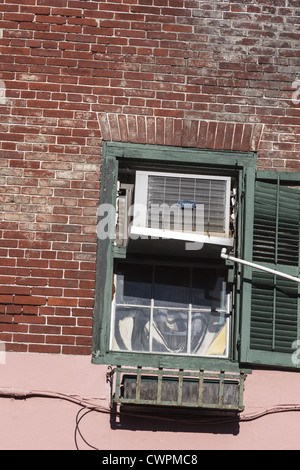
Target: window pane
x,y
208,289
171,310
131,329
134,284
209,334
171,287
169,331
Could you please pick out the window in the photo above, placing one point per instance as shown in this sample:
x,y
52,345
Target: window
x,y
164,296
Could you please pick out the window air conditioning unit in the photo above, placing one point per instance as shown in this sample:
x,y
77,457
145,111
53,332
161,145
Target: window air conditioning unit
x,y
194,208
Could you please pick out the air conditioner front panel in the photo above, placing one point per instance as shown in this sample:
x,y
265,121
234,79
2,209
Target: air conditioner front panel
x,y
182,204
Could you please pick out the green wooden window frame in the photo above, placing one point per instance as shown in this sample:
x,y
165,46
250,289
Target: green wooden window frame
x,y
243,166
271,304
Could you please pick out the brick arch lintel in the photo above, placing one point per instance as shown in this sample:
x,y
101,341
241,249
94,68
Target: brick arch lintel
x,y
216,135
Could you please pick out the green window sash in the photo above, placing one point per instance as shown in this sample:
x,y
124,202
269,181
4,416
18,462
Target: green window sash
x,y
115,154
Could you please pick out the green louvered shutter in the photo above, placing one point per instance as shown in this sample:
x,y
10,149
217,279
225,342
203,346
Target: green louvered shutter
x,y
271,302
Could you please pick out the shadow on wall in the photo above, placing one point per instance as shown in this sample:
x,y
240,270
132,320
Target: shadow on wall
x,y
150,418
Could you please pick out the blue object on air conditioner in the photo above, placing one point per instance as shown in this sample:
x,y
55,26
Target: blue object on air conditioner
x,y
187,204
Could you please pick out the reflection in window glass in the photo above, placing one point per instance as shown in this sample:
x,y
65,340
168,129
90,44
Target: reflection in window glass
x,y
207,288
170,310
134,284
208,333
170,331
171,287
132,328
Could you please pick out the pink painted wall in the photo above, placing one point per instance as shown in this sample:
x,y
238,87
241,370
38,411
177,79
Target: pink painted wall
x,y
49,424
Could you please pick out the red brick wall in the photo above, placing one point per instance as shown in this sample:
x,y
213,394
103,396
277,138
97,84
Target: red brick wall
x,y
215,74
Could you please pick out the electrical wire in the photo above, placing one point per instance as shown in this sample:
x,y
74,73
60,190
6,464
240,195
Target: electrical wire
x,y
77,430
24,394
267,411
87,406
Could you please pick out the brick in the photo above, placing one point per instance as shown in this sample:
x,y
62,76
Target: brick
x,y
228,136
211,135
44,348
237,138
50,19
58,301
5,319
77,331
246,140
16,347
29,319
19,17
169,131
44,329
14,290
220,133
29,300
30,310
13,309
28,338
202,133
60,339
76,350
6,299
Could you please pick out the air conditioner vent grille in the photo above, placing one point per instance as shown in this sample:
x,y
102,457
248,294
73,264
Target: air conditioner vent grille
x,y
168,191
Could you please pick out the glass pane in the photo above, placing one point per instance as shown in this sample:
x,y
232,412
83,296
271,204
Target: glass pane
x,y
169,331
131,332
209,289
134,284
209,334
171,287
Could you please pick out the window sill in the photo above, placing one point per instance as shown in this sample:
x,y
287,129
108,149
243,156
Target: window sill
x,y
113,358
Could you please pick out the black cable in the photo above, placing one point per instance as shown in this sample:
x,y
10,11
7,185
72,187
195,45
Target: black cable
x,y
77,430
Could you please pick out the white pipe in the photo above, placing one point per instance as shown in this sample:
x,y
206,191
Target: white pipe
x,y
258,266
